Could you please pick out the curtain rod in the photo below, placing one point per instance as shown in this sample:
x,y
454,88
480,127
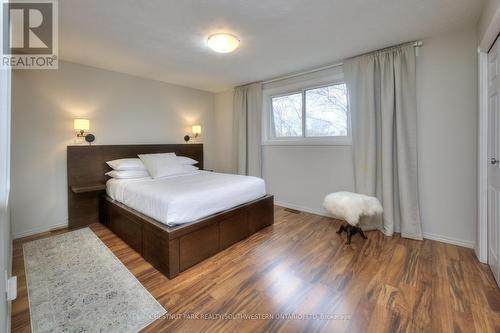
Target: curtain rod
x,y
415,44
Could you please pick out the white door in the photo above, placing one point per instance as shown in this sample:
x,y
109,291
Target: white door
x,y
494,164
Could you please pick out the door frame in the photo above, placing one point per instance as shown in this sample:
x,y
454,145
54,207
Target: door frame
x,y
481,246
486,41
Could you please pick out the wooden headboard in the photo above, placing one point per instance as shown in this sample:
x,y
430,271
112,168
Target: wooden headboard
x,y
86,167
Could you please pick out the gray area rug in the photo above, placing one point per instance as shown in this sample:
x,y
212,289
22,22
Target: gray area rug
x,y
76,284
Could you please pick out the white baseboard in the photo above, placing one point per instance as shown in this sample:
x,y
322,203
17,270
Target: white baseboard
x,y
449,240
301,208
39,230
439,238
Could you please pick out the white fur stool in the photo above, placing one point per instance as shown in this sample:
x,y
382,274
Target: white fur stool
x,y
350,207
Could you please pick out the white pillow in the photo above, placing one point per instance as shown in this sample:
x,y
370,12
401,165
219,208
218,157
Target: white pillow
x,y
186,160
127,164
128,174
162,165
190,168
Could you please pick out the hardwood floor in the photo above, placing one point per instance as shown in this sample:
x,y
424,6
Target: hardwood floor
x,y
301,266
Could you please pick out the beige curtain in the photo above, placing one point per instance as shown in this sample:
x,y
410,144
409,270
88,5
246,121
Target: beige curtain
x,y
247,108
382,97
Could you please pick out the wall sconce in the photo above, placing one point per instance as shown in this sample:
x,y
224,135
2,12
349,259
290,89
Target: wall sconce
x,y
196,129
82,125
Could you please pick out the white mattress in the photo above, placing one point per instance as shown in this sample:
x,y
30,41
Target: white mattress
x,y
186,198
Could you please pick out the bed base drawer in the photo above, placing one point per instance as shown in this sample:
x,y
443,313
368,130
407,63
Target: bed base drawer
x,y
233,229
124,225
173,250
198,245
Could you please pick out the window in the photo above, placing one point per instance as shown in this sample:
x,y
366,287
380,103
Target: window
x,y
311,114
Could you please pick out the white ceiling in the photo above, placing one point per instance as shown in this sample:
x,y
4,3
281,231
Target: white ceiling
x,y
165,39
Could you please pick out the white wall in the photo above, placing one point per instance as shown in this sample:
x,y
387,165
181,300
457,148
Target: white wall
x,y
300,176
123,109
447,123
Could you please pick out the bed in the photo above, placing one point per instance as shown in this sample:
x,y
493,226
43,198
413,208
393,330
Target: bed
x,y
185,198
174,223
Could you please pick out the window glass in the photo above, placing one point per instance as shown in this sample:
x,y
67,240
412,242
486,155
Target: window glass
x,y
326,111
287,115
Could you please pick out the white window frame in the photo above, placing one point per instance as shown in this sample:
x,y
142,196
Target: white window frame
x,y
269,138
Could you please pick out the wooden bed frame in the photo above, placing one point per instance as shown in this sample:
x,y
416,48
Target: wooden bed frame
x,y
171,250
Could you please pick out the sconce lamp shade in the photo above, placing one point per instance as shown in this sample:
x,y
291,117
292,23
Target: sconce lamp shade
x,y
196,129
81,124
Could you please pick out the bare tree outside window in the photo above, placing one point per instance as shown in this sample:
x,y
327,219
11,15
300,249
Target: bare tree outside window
x,y
287,115
326,111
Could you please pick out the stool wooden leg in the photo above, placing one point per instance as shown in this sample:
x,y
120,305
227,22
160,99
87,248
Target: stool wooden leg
x,y
350,232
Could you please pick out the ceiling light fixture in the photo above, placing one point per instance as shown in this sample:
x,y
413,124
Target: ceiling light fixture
x,y
223,43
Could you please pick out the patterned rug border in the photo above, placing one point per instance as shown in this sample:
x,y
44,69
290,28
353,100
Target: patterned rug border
x,y
152,320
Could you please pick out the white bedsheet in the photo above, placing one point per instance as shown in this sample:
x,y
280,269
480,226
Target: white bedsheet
x,y
185,198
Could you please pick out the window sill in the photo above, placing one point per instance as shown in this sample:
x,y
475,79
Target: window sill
x,y
309,142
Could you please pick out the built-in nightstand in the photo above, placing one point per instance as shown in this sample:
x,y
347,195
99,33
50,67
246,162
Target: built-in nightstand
x,y
84,206
77,189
